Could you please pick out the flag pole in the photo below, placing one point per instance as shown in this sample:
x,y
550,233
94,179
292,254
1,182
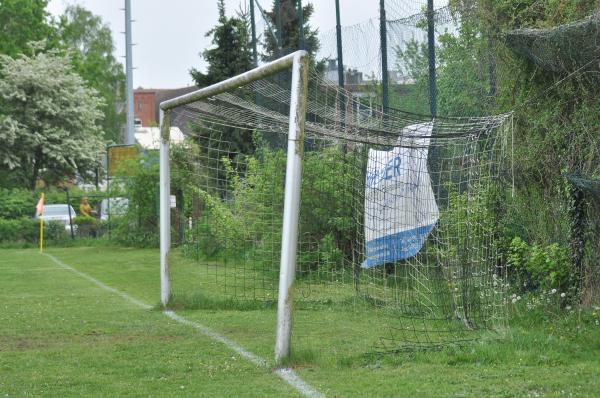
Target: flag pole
x,y
42,227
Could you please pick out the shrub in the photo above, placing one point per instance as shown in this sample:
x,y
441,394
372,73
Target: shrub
x,y
532,267
139,225
25,230
16,203
86,226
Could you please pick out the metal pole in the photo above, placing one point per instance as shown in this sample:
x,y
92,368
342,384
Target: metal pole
x,y
431,47
299,63
129,137
165,207
278,25
291,209
340,59
70,217
253,26
301,43
384,63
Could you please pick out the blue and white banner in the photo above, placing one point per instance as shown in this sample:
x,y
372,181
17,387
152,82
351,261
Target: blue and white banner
x,y
400,207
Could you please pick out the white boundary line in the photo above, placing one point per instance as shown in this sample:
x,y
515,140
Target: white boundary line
x,y
286,374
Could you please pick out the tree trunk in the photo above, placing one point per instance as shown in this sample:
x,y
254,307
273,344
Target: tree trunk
x,y
37,164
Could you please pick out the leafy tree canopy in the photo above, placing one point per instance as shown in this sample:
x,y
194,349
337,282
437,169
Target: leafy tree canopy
x,y
22,21
49,119
92,44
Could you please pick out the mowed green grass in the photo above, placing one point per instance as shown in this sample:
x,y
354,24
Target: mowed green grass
x,y
62,335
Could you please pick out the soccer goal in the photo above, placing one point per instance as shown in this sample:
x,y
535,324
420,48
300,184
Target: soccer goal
x,y
379,226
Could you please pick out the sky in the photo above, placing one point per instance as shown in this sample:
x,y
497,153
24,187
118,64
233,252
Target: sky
x,y
169,35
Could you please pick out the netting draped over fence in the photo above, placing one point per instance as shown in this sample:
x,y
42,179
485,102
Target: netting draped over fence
x,y
563,48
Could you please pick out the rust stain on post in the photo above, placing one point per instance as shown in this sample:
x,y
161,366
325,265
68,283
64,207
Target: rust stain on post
x,y
165,127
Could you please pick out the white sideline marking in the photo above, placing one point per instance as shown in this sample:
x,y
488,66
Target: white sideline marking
x,y
100,284
286,374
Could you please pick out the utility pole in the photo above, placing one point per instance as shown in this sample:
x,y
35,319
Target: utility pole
x,y
384,64
253,23
129,135
431,47
301,43
340,59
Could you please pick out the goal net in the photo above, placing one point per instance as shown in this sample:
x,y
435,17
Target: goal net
x,y
396,224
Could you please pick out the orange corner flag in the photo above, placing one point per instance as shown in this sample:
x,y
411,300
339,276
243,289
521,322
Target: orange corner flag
x,y
40,206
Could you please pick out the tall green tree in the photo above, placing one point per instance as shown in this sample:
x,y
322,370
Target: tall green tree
x,y
22,21
49,120
290,31
232,51
92,44
230,56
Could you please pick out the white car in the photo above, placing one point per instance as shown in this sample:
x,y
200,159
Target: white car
x,y
58,213
117,208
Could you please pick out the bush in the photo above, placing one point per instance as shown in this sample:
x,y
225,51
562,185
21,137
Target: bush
x,y
16,203
532,267
25,230
139,225
86,226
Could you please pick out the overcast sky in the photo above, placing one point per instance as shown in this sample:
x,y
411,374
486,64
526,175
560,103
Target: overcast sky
x,y
169,35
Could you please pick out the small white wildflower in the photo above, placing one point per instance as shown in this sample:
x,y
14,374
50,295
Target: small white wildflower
x,y
518,298
563,294
514,300
514,295
553,291
569,308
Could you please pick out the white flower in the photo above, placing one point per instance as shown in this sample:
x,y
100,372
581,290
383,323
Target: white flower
x,y
518,298
568,308
514,300
553,291
563,294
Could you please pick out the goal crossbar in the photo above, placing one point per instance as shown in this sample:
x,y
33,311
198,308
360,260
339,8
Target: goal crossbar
x,y
298,62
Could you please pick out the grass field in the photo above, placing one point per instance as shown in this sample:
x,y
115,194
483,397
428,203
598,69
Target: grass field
x,y
62,335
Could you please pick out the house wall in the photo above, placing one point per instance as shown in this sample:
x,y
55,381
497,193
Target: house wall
x,y
144,104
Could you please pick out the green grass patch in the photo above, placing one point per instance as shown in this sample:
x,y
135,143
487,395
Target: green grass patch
x,y
61,335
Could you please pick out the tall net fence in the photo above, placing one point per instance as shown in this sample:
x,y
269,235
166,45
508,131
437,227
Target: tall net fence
x,y
397,224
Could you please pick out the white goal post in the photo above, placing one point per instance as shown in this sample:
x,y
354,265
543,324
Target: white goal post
x,y
298,62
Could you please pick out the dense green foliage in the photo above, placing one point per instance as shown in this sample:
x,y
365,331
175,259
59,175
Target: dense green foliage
x,y
556,122
533,267
290,31
250,220
91,44
29,36
21,22
232,51
138,182
49,120
27,230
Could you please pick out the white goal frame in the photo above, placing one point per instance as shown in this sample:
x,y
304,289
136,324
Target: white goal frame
x,y
298,62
